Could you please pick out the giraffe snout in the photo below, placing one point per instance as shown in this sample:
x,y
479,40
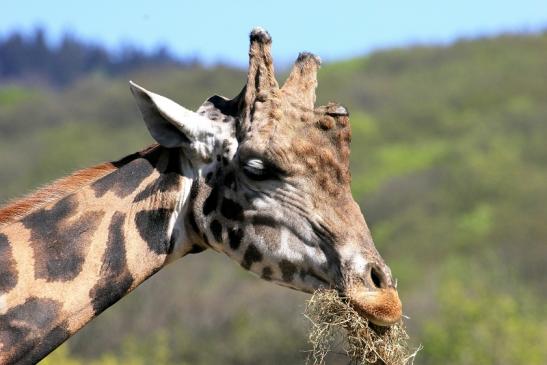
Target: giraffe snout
x,y
377,277
374,295
382,307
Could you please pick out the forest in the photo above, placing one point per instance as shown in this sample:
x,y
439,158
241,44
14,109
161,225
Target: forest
x,y
448,162
32,58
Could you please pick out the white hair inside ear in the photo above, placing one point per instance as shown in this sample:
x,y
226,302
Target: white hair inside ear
x,y
172,125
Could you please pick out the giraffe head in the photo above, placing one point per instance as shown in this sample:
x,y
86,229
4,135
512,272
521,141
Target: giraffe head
x,y
272,183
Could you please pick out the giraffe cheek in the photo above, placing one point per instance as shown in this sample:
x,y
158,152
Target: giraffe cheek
x,y
210,203
231,210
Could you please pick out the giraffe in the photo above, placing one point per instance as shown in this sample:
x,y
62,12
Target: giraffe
x,y
263,177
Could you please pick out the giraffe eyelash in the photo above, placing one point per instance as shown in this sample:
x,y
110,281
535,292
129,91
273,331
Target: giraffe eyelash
x,y
258,170
255,169
255,163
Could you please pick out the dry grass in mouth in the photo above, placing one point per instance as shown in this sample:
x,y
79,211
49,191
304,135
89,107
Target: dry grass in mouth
x,y
333,318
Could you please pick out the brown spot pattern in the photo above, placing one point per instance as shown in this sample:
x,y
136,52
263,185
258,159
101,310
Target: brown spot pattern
x,y
8,271
125,180
67,185
115,278
60,245
25,326
252,255
287,270
152,226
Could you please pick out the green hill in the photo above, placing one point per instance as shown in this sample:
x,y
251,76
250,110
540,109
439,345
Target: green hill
x,y
449,163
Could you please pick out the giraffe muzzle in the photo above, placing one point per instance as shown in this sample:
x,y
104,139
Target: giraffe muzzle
x,y
382,306
375,297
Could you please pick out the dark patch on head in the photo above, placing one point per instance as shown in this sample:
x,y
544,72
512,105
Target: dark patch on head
x,y
235,235
115,278
229,180
196,249
267,273
216,229
264,220
152,226
166,182
60,244
210,203
287,270
251,256
24,326
225,161
231,210
192,222
8,270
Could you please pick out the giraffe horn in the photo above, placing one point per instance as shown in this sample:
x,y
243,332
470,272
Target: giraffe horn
x,y
260,78
302,80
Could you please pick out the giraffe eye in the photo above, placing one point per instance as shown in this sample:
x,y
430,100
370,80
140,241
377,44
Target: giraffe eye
x,y
255,169
259,170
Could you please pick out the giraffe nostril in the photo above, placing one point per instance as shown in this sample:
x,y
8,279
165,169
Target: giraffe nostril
x,y
377,277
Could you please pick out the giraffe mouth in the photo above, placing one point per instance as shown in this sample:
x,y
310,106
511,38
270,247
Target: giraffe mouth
x,y
324,282
382,307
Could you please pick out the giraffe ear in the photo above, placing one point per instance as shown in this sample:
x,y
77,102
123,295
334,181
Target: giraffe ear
x,y
172,125
220,109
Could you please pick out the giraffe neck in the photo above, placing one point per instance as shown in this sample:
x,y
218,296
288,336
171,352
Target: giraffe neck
x,y
64,263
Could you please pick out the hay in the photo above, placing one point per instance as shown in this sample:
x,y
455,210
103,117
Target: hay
x,y
333,318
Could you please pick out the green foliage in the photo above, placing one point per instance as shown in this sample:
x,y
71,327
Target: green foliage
x,y
448,163
156,351
10,96
479,323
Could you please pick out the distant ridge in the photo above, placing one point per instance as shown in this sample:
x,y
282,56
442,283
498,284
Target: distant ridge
x,y
24,56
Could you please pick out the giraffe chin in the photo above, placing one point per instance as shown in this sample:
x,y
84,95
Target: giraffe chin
x,y
382,307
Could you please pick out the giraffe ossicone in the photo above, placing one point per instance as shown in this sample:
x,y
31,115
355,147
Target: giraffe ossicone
x,y
263,177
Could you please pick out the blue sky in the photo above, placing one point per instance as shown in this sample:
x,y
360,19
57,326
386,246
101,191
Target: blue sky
x,y
217,31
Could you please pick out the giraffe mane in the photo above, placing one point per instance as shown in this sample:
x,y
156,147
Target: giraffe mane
x,y
18,208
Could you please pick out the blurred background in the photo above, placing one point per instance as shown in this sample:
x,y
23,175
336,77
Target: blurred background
x,y
448,107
